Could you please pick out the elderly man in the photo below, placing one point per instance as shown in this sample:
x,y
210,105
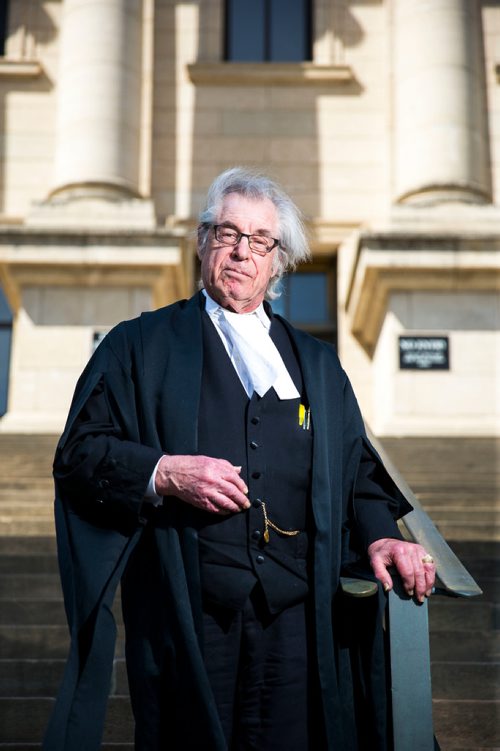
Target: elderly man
x,y
215,462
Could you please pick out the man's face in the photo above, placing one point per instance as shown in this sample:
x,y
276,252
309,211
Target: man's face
x,y
233,276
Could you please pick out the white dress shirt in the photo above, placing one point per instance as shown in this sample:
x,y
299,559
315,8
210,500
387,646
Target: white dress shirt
x,y
251,350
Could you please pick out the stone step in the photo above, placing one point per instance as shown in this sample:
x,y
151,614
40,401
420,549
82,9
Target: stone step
x,y
42,677
441,506
41,563
491,588
446,492
467,725
450,614
27,455
28,448
36,586
35,441
33,641
434,497
468,531
19,462
453,476
44,642
42,516
463,646
468,550
35,494
445,445
24,720
29,487
41,612
456,514
30,678
36,512
27,526
482,568
22,467
480,468
22,545
466,500
24,503
32,612
26,477
463,680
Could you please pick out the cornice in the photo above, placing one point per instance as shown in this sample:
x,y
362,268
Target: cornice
x,y
20,69
268,74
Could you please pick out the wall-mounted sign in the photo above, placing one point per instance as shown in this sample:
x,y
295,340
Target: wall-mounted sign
x,y
424,353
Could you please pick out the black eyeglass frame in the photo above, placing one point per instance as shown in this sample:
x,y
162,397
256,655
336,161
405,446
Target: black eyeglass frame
x,y
239,235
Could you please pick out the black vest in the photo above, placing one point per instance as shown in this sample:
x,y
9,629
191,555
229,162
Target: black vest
x,y
263,436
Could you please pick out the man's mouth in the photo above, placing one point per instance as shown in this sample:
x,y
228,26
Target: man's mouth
x,y
237,272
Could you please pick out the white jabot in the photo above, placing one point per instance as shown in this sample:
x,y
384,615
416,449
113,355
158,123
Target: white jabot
x,y
251,350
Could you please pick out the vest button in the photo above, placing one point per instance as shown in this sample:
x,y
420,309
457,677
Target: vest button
x,y
255,420
256,534
256,475
257,503
254,445
260,559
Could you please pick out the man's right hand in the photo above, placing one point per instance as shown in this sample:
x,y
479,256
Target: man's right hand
x,y
209,484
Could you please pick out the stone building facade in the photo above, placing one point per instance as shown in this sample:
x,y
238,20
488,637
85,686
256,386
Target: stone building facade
x,y
380,117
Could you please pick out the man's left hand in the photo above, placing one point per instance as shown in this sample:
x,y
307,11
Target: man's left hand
x,y
409,559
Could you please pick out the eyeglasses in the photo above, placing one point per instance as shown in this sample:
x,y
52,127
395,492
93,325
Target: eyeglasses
x,y
260,244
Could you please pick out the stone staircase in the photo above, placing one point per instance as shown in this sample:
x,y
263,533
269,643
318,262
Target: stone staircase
x,y
457,480
33,633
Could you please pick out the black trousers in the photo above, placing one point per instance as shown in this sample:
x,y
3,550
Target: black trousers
x,y
260,672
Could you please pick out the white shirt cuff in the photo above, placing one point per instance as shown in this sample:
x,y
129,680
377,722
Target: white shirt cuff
x,y
151,496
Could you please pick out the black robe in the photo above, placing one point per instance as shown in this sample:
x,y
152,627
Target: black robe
x,y
137,399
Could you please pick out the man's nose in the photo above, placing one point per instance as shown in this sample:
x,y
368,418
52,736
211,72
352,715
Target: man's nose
x,y
242,248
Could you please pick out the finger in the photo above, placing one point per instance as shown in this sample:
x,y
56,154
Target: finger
x,y
420,584
227,504
430,578
205,504
425,571
241,485
213,507
214,504
227,493
381,572
406,571
232,475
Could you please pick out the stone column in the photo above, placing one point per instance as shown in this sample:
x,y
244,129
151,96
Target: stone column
x,y
441,143
98,135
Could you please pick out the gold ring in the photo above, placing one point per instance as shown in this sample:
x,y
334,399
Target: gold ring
x,y
427,559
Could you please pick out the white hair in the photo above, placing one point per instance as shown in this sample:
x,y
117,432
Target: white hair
x,y
293,246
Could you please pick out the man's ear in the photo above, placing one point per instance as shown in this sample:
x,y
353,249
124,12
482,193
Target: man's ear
x,y
202,239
